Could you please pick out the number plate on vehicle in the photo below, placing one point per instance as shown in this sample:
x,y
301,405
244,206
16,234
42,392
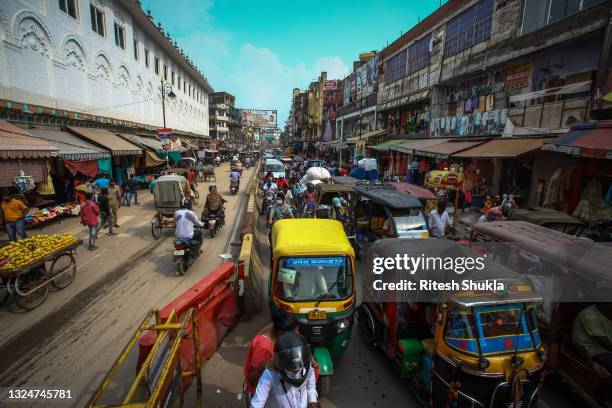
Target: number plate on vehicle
x,y
179,252
317,314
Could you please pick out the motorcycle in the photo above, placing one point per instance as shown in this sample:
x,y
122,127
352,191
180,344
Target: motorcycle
x,y
213,223
267,202
185,253
234,186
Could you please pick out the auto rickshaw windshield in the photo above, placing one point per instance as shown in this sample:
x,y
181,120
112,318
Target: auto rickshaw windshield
x,y
498,329
408,218
302,279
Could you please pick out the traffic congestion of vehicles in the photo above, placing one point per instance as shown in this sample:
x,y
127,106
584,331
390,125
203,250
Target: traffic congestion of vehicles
x,y
475,347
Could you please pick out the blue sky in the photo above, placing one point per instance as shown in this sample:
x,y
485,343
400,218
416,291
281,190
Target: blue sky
x,y
260,50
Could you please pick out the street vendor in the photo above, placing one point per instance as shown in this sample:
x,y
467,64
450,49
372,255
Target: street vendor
x,y
14,211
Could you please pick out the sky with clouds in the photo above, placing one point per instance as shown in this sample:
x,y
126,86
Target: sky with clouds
x,y
260,50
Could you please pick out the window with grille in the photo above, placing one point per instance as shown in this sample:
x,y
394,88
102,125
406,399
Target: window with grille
x,y
395,67
469,28
119,36
97,20
69,7
418,54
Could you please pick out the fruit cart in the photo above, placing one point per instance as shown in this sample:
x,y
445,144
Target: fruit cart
x,y
29,266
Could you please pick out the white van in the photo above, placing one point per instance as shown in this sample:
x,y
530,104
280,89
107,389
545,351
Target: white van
x,y
276,167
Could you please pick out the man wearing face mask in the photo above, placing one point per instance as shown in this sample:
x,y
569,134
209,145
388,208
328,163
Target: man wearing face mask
x,y
281,210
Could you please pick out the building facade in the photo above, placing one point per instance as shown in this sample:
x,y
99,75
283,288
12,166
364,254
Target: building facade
x,y
220,104
99,58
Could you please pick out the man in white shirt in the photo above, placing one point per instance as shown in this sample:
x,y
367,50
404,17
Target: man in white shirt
x,y
184,220
438,220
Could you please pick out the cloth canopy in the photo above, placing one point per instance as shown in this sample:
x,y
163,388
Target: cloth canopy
x,y
108,140
152,159
70,146
383,147
9,168
366,136
587,140
150,143
410,145
504,147
87,167
16,143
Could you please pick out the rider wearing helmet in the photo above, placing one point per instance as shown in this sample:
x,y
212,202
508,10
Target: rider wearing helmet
x,y
184,220
290,382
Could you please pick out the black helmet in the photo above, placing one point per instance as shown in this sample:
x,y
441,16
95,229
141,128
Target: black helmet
x,y
186,203
292,358
310,186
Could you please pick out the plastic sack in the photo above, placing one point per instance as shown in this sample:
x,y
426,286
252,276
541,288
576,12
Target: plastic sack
x,y
317,173
367,164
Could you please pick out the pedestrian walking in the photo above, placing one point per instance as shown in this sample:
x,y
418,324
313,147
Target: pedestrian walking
x,y
130,190
89,217
114,200
106,216
14,212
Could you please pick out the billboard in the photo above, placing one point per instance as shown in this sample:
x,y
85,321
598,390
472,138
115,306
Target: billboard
x,y
258,118
328,128
367,76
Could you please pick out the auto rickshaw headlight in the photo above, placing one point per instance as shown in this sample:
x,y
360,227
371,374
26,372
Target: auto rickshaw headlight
x,y
543,354
483,363
343,324
517,361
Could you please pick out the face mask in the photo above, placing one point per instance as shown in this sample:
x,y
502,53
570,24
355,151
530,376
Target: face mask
x,y
279,202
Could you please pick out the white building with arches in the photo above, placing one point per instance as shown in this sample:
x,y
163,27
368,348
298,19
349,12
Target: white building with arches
x,y
98,57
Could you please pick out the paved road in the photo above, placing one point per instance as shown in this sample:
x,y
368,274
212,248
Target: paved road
x,y
78,346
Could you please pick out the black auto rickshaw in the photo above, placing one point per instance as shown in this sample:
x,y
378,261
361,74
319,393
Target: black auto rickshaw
x,y
471,342
324,208
574,273
382,203
549,218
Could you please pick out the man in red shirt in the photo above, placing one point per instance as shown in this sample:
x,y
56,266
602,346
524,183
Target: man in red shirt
x,y
89,217
261,349
281,182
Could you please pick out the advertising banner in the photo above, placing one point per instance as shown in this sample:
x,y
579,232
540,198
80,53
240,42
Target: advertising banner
x,y
518,76
164,133
258,118
366,78
328,127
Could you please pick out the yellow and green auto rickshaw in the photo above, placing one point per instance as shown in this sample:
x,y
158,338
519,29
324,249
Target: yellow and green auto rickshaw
x,y
313,278
474,346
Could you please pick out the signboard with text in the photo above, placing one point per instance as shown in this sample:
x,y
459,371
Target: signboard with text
x,y
518,76
164,133
329,85
258,118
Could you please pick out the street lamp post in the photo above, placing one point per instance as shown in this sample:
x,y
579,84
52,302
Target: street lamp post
x,y
166,91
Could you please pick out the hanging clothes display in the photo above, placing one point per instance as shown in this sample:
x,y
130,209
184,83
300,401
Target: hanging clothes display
x,y
553,190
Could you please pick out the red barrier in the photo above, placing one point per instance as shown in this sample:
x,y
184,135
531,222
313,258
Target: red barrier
x,y
216,303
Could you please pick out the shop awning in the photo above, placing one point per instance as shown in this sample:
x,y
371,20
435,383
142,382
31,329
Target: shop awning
x,y
186,143
70,146
415,97
366,136
152,159
110,141
504,147
16,143
443,150
150,143
33,167
410,145
587,140
579,87
383,147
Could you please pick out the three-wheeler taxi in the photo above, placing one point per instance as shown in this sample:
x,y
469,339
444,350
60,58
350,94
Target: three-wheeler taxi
x,y
475,346
574,274
403,212
549,218
425,196
313,277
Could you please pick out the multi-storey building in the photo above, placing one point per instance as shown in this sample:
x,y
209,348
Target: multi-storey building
x,y
98,58
220,104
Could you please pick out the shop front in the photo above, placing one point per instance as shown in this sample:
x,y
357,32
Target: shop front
x,y
124,155
408,116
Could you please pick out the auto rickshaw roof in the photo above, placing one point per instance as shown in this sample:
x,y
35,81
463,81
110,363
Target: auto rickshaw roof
x,y
345,180
519,288
578,255
418,192
171,178
309,236
543,216
286,159
327,188
386,195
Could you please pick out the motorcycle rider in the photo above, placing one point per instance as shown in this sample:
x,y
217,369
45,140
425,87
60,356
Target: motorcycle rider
x,y
235,177
214,203
281,210
184,220
290,381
